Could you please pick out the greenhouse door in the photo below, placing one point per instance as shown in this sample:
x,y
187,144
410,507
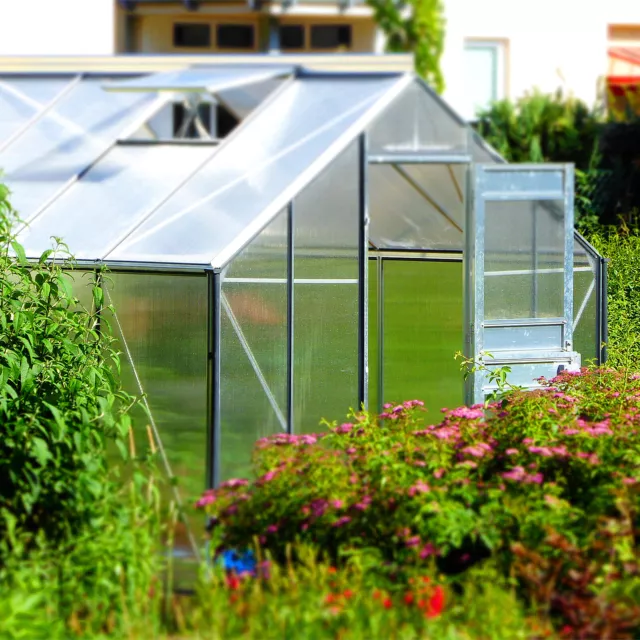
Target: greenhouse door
x,y
519,274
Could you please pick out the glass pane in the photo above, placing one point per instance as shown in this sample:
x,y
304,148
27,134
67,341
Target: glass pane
x,y
403,214
21,98
241,101
126,185
422,332
253,390
67,140
209,80
373,336
326,239
444,183
524,260
326,215
417,121
584,304
326,354
164,321
257,173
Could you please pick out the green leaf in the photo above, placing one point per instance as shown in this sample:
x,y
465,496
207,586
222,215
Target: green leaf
x,y
19,250
41,451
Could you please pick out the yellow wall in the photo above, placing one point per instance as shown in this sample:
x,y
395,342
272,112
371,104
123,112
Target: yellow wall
x,y
151,31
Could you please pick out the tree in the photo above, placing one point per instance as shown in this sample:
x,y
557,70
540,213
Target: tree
x,y
415,26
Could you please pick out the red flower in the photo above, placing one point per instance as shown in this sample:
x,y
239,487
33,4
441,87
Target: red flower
x,y
332,570
436,603
386,603
233,582
347,593
408,598
330,599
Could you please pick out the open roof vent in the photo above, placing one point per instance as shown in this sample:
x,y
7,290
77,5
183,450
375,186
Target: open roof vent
x,y
201,104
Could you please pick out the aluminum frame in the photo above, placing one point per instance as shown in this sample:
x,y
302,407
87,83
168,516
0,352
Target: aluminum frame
x,y
475,321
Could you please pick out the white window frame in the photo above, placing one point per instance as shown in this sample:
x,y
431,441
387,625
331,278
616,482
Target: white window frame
x,y
500,45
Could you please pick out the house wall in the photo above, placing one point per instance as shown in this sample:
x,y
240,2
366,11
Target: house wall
x,y
548,44
60,27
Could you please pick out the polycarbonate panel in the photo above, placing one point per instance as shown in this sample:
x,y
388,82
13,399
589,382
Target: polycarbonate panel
x,y
253,176
524,260
547,337
164,322
325,354
404,217
21,98
417,121
480,151
422,332
66,140
445,184
211,79
254,381
327,219
112,197
506,180
584,303
241,101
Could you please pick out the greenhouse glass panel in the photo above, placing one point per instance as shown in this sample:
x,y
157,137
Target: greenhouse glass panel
x,y
164,322
253,351
21,98
422,332
113,196
200,80
374,404
524,259
404,216
66,140
584,304
445,184
241,101
260,169
326,249
417,121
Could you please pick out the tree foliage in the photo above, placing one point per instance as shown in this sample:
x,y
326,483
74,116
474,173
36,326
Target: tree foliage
x,y
415,26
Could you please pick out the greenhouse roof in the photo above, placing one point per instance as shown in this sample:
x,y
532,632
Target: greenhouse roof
x,y
78,157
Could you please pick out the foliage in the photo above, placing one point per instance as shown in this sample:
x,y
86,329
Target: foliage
x,y
76,541
562,461
59,398
621,246
542,127
416,26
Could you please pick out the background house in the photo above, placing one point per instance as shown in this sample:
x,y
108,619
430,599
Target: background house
x,y
493,48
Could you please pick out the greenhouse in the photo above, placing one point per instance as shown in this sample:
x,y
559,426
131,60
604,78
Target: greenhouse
x,y
285,244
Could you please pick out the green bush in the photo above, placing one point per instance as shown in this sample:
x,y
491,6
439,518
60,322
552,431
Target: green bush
x,y
552,472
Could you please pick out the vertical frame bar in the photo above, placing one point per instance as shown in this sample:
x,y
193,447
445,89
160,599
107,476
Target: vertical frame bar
x,y
363,277
603,328
213,379
569,186
290,320
380,311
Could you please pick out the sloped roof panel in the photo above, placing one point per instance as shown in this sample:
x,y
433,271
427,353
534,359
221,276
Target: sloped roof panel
x,y
260,168
129,182
66,138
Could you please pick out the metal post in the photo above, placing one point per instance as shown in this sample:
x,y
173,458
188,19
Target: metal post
x,y
213,380
380,297
290,320
363,277
603,327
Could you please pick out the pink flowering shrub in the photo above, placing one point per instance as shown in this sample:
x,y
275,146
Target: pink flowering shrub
x,y
471,485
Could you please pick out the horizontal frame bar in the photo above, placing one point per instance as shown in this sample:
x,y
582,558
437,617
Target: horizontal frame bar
x,y
403,158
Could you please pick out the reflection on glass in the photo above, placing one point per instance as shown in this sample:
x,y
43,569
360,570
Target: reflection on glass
x,y
524,260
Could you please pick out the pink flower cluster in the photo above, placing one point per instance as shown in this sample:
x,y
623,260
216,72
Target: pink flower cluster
x,y
518,474
394,412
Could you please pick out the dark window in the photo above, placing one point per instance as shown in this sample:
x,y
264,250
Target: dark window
x,y
330,36
179,115
292,36
235,36
192,35
226,121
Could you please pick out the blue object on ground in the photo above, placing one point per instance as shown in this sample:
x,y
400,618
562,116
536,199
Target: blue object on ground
x,y
244,562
